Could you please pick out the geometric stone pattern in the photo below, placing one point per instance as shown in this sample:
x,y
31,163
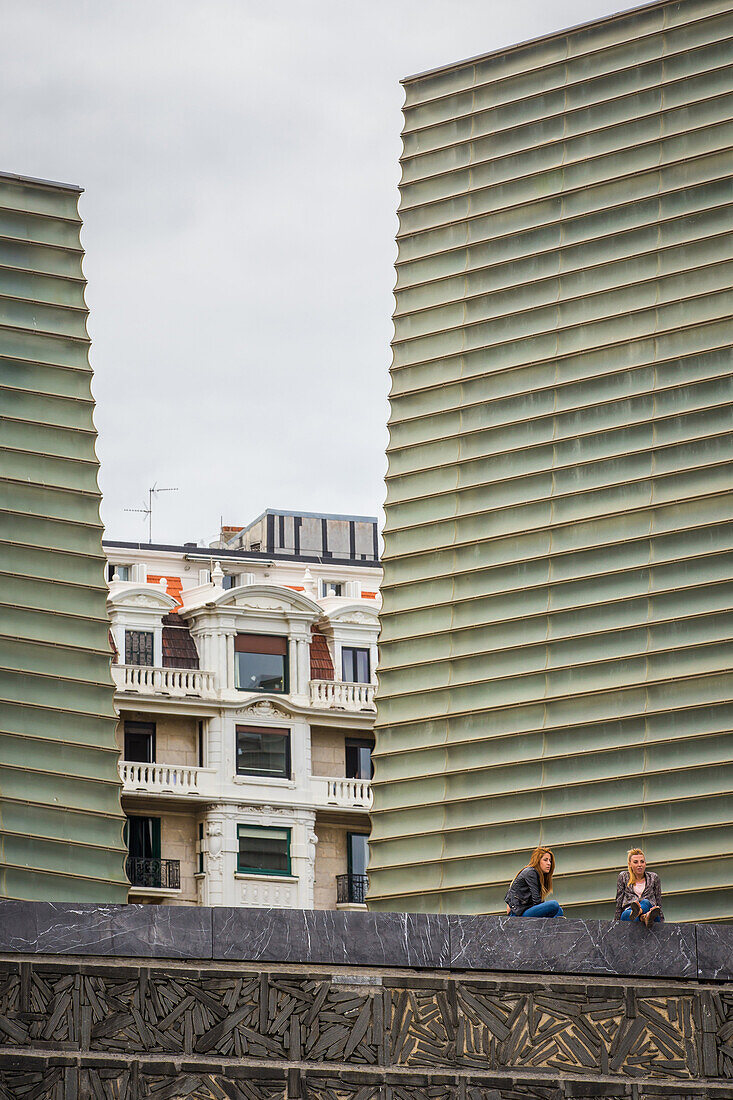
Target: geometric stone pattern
x,y
101,1031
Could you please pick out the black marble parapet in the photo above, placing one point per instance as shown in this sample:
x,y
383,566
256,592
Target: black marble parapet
x,y
414,940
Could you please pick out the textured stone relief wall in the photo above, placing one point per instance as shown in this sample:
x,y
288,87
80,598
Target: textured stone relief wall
x,y
118,1032
120,1002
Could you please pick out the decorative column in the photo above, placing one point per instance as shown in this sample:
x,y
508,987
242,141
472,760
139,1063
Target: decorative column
x,y
229,650
213,890
300,665
215,746
303,858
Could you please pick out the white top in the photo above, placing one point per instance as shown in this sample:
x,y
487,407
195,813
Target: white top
x,y
639,887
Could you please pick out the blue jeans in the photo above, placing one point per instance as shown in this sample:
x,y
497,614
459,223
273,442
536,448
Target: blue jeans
x,y
544,909
645,907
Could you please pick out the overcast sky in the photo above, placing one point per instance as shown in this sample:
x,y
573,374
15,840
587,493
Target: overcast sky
x,y
240,166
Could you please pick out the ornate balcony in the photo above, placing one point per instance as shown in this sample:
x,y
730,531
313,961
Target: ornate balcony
x,y
351,889
176,683
154,874
171,780
347,794
335,695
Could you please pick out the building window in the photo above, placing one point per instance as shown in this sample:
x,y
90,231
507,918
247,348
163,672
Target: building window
x,y
331,588
358,759
263,752
140,742
139,647
122,571
261,663
143,837
201,848
355,665
263,851
357,853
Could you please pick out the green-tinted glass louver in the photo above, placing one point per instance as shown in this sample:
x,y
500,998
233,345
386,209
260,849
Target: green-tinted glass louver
x,y
557,635
60,816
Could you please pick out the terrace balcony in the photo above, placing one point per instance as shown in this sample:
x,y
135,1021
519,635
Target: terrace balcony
x,y
168,780
344,794
337,695
174,683
153,877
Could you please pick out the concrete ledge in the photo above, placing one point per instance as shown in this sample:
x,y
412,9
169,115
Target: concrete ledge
x,y
414,940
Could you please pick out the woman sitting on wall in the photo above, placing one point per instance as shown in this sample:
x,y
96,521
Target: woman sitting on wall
x,y
526,895
639,892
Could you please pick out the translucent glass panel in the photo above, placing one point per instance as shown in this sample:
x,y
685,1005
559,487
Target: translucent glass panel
x,y
556,635
60,802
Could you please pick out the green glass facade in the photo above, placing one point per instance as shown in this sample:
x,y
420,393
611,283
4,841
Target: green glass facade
x,y
556,645
60,816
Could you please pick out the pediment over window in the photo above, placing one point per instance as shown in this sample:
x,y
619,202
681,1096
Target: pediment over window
x,y
147,597
354,613
266,597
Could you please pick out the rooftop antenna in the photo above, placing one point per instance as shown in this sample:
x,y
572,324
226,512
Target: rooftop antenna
x,y
149,510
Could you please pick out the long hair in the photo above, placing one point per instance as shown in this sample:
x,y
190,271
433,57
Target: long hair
x,y
545,880
632,852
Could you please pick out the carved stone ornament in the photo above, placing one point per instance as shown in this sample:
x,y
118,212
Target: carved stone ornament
x,y
359,617
269,810
144,601
263,707
214,834
256,604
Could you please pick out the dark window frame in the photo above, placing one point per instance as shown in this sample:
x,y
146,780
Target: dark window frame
x,y
130,648
353,650
155,835
139,729
267,640
349,864
275,731
241,870
358,743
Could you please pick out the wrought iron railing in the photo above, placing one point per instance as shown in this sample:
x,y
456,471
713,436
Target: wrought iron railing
x,y
351,889
154,874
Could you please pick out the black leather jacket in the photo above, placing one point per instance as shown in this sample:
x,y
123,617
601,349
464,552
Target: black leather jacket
x,y
524,891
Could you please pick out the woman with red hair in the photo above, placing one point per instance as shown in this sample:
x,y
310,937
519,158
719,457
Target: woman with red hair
x,y
528,891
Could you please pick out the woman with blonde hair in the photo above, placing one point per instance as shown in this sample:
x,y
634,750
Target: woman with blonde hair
x,y
638,891
526,895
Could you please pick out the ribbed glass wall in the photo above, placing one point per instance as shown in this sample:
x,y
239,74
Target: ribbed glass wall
x,y
555,651
60,816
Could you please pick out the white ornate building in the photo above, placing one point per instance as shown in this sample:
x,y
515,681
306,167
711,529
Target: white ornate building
x,y
245,685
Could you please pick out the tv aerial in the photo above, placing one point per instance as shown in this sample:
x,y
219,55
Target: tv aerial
x,y
149,510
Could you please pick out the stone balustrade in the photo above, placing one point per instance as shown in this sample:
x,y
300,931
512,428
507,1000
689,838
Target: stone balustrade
x,y
166,779
350,794
180,683
334,695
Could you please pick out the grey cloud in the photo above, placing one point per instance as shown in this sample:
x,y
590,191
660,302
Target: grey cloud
x,y
240,166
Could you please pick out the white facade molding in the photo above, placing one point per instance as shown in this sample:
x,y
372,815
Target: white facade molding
x,y
280,600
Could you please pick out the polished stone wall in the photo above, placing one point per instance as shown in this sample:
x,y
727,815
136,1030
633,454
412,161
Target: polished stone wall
x,y
120,1002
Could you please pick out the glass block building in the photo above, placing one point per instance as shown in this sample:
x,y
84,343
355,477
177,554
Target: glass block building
x,y
555,653
60,816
